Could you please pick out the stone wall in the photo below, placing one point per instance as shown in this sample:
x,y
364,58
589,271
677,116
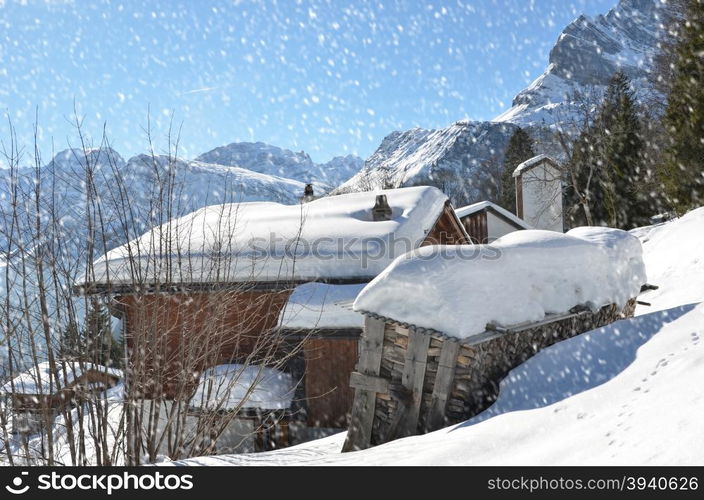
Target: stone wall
x,y
478,370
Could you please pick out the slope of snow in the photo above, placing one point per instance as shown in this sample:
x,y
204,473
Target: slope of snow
x,y
521,277
626,394
272,160
674,258
418,156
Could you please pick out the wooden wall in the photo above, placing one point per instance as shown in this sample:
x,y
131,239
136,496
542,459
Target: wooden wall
x,y
329,364
171,336
447,230
476,225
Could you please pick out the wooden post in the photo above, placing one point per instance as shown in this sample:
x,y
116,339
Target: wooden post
x,y
443,385
359,434
412,379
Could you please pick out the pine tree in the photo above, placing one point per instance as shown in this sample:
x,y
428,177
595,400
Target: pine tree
x,y
682,174
518,150
622,154
612,183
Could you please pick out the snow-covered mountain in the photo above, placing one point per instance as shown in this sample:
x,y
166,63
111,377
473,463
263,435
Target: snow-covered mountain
x,y
455,155
587,52
272,160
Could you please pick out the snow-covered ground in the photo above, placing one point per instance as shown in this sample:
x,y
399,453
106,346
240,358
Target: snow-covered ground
x,y
624,394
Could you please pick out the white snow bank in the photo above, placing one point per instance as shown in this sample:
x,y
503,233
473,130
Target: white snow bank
x,y
319,306
674,257
521,277
234,386
332,237
37,380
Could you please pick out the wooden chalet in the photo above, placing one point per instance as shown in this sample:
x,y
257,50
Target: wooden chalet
x,y
222,279
486,221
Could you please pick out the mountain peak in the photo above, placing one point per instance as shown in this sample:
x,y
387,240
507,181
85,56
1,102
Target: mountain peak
x,y
273,160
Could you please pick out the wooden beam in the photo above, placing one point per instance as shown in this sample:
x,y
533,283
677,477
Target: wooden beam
x,y
443,385
364,382
412,378
359,434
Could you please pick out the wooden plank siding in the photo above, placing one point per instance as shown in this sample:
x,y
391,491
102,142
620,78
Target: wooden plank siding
x,y
477,227
171,335
329,364
447,230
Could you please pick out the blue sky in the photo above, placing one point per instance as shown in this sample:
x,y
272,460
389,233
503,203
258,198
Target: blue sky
x,y
328,77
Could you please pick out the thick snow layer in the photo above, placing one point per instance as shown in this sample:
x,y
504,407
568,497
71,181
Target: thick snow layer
x,y
674,257
38,379
321,306
332,237
482,205
521,277
234,386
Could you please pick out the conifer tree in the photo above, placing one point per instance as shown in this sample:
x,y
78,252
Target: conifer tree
x,y
682,173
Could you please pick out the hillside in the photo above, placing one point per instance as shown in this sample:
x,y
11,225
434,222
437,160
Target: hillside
x,y
457,158
593,399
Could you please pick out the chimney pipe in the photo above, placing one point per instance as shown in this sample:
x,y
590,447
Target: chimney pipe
x,y
381,210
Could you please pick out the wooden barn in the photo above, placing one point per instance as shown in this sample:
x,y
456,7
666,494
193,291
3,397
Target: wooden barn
x,y
441,330
486,221
253,281
37,390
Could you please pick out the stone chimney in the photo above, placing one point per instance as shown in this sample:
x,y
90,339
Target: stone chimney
x,y
381,210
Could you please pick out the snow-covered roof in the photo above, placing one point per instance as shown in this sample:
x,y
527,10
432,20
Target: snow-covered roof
x,y
487,205
331,237
235,386
532,162
521,277
37,380
321,306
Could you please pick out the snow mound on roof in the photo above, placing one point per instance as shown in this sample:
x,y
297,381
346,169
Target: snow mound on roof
x,y
322,306
38,379
521,277
332,237
235,386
